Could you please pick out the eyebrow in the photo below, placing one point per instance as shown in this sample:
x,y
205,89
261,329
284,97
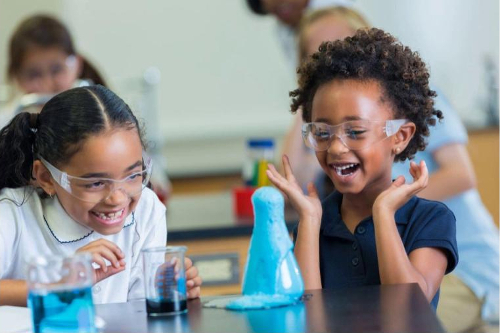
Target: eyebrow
x,y
348,118
105,175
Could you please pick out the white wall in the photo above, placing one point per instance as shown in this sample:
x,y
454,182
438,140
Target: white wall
x,y
453,37
224,76
222,72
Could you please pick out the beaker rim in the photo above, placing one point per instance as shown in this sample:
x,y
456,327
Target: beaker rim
x,y
167,249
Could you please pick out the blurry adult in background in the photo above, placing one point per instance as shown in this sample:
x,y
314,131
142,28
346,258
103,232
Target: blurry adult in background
x,y
469,296
289,13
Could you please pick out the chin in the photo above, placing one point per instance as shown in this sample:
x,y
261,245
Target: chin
x,y
110,231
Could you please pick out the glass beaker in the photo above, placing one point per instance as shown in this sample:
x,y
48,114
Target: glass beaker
x,y
165,280
59,293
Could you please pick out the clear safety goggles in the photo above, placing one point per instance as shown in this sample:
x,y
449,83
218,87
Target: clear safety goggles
x,y
355,134
53,69
95,190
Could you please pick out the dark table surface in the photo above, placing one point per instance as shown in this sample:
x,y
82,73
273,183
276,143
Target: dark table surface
x,y
389,308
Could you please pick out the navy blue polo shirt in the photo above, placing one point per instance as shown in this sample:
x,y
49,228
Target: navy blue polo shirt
x,y
348,260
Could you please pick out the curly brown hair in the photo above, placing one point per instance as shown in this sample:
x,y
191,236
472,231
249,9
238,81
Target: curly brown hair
x,y
372,54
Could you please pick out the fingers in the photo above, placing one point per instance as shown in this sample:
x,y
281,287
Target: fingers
x,y
287,168
276,178
103,249
193,283
311,189
400,180
187,263
194,293
98,259
424,172
419,173
191,273
100,274
193,280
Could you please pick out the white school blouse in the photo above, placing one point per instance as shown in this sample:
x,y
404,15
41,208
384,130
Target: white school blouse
x,y
42,227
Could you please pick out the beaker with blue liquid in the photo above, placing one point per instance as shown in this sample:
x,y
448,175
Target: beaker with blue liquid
x,y
59,293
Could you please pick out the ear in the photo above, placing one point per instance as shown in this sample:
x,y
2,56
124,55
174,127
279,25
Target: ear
x,y
43,177
403,137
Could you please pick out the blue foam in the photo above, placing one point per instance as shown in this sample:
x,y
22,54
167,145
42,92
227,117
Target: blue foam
x,y
272,276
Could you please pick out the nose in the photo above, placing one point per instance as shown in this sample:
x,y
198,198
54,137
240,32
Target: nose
x,y
116,196
46,84
337,146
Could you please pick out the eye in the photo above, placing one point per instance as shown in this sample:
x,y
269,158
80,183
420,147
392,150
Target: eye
x,y
354,134
135,176
97,185
56,69
33,75
322,135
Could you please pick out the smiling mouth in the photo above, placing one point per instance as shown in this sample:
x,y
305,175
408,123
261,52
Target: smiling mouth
x,y
109,217
345,169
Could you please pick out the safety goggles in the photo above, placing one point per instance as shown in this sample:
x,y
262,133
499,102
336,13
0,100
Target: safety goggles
x,y
95,190
355,134
54,70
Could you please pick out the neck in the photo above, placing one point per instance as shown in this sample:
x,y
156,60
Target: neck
x,y
356,207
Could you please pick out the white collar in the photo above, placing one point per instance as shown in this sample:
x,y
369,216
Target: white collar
x,y
64,228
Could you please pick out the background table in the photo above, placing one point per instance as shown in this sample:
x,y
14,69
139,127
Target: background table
x,y
390,308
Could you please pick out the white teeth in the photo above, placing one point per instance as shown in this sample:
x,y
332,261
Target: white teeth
x,y
345,166
110,216
339,169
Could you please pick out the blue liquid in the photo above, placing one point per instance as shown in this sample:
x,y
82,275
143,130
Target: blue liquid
x,y
62,311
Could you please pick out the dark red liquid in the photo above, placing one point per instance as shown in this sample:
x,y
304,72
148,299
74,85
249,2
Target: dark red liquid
x,y
155,307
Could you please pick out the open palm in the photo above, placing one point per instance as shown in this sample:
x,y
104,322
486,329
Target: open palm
x,y
308,206
399,192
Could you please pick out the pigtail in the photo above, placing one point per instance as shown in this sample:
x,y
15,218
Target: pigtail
x,y
16,151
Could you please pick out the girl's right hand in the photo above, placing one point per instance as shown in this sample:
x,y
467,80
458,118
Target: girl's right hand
x,y
103,249
308,206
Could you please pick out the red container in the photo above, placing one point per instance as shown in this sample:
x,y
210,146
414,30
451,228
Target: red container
x,y
242,201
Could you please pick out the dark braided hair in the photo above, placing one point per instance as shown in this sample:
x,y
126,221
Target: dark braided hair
x,y
59,131
372,54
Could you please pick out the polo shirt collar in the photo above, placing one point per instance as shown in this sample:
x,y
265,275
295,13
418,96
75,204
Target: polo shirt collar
x,y
332,224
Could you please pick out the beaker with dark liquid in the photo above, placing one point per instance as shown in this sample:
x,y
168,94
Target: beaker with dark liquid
x,y
165,280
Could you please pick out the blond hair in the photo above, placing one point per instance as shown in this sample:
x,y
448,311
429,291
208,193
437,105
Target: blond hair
x,y
353,19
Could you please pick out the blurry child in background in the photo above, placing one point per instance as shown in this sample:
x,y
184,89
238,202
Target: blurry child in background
x,y
42,60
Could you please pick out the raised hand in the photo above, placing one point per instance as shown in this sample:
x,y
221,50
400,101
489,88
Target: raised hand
x,y
103,249
307,206
399,192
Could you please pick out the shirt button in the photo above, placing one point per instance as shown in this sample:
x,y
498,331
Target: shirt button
x,y
355,261
354,246
96,289
361,230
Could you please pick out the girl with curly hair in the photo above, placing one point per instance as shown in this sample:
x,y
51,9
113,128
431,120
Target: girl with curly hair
x,y
366,103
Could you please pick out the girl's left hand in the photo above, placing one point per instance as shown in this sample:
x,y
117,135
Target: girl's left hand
x,y
399,193
193,280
